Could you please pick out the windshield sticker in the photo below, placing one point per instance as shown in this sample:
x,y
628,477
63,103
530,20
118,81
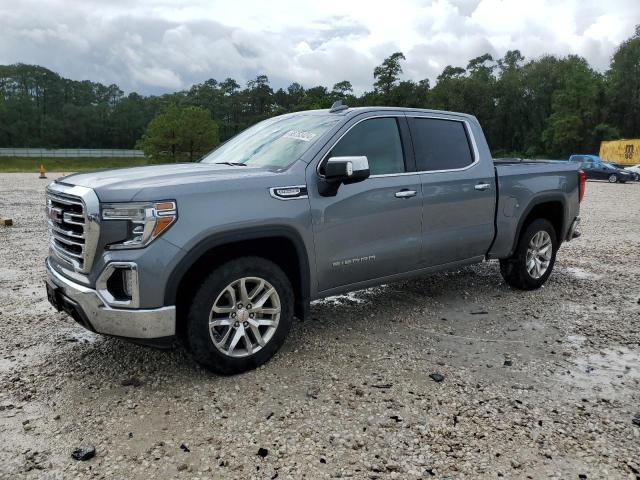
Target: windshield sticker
x,y
300,135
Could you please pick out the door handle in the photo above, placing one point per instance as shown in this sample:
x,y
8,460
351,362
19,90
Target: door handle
x,y
482,186
406,193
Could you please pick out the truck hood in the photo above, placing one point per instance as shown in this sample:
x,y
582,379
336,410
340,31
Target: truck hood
x,y
124,183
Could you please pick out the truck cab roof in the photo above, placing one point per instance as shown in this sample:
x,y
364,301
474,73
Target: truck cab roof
x,y
353,111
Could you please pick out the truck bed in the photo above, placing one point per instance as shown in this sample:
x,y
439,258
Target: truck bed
x,y
523,183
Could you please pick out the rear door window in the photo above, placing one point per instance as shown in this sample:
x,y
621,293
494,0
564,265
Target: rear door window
x,y
440,144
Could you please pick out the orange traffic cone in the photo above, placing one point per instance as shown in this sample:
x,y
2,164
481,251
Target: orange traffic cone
x,y
42,172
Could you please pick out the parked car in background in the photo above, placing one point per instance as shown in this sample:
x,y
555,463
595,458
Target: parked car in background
x,y
635,170
597,169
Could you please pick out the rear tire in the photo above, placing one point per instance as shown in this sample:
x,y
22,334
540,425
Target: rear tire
x,y
613,178
226,332
534,258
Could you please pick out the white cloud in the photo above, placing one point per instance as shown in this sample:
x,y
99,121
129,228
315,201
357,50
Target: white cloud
x,y
154,46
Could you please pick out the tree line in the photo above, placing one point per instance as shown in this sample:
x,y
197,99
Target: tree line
x,y
546,107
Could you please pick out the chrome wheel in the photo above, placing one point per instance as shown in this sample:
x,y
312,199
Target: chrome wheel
x,y
613,179
244,317
539,254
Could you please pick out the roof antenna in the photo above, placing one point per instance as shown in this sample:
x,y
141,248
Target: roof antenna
x,y
338,107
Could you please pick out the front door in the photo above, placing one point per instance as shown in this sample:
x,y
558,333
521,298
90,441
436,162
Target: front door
x,y
370,229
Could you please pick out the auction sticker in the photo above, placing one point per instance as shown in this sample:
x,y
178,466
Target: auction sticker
x,y
300,135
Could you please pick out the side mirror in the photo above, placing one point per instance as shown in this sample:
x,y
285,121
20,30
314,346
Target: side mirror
x,y
347,169
339,170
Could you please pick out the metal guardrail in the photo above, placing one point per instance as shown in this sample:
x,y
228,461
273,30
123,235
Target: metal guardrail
x,y
69,152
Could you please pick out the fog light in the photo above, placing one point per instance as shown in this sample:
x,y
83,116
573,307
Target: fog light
x,y
118,285
127,282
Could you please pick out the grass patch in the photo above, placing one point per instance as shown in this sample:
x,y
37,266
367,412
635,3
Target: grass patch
x,y
32,164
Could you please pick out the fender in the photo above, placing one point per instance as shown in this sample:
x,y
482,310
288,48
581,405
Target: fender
x,y
243,234
535,201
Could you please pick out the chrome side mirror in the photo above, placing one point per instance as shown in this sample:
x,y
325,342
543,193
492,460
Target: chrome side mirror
x,y
339,170
347,169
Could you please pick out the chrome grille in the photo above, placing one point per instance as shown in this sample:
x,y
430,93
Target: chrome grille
x,y
74,227
67,236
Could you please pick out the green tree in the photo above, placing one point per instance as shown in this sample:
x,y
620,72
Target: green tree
x,y
315,97
404,94
448,93
479,93
623,87
605,131
386,75
206,95
508,135
575,111
342,89
180,133
296,93
260,95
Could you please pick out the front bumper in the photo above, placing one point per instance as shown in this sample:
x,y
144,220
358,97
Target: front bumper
x,y
87,308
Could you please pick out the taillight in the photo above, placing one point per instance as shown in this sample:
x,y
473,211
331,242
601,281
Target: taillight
x,y
583,181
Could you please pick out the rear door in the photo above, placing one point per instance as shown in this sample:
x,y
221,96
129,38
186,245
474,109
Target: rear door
x,y
371,229
458,188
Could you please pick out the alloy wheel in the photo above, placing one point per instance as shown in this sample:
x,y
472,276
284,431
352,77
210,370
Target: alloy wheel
x,y
244,316
539,254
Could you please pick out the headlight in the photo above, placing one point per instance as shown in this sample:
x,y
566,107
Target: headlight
x,y
146,220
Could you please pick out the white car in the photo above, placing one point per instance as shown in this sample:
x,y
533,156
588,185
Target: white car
x,y
635,169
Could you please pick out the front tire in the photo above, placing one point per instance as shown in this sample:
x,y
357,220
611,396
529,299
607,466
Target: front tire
x,y
534,258
240,315
613,178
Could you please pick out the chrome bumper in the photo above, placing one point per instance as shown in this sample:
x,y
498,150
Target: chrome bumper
x,y
130,323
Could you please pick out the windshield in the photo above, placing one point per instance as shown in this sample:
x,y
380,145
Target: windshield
x,y
609,166
277,142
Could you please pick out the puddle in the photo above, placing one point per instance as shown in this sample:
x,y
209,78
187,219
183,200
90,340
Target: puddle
x,y
597,307
582,274
8,275
577,340
5,365
83,336
25,357
359,297
38,354
610,369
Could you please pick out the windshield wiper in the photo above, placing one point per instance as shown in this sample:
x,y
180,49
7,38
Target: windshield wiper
x,y
233,164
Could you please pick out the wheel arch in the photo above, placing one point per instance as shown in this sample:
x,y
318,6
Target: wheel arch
x,y
281,244
551,207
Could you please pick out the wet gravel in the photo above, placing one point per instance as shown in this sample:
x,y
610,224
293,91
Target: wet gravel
x,y
450,376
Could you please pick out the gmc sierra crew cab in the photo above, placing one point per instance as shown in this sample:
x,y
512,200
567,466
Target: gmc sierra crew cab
x,y
223,253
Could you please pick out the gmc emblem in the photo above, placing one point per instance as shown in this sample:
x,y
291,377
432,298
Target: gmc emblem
x,y
55,214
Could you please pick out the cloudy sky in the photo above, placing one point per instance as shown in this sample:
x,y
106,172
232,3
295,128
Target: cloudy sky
x,y
156,46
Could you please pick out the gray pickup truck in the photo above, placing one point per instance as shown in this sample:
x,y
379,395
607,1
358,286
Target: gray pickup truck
x,y
223,253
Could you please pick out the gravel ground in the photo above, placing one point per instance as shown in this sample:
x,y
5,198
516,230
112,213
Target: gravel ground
x,y
540,384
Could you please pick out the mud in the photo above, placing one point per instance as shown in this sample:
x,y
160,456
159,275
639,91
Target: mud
x,y
537,384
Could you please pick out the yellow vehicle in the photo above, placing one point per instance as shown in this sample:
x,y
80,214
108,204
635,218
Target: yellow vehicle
x,y
624,152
